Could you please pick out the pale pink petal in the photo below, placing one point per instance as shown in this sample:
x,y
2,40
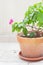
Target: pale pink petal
x,y
11,21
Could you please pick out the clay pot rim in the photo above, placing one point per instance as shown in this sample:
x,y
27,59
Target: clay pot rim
x,y
18,35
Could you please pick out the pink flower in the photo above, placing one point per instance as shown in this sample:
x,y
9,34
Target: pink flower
x,y
11,21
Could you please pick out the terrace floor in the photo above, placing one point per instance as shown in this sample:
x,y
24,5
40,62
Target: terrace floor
x,y
9,55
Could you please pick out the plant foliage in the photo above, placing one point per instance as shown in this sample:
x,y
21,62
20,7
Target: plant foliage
x,y
34,14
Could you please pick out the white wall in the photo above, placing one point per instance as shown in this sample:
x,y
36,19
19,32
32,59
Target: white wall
x,y
12,9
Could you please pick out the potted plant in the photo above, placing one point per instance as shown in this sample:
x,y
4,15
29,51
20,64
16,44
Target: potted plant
x,y
30,34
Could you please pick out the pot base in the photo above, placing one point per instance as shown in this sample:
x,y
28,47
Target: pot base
x,y
28,58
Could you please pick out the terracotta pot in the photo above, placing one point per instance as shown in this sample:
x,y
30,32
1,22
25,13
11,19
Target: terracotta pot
x,y
31,47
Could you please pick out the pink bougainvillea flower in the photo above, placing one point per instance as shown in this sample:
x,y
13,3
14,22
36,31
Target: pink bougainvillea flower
x,y
11,21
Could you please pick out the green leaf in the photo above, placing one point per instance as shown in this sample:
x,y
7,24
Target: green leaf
x,y
32,34
26,20
40,19
25,31
18,29
14,26
40,24
13,29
